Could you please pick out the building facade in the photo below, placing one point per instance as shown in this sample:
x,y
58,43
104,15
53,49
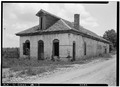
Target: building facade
x,y
55,36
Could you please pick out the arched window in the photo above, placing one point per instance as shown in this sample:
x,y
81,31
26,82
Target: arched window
x,y
26,48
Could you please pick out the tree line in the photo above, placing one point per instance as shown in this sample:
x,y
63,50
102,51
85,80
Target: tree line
x,y
111,36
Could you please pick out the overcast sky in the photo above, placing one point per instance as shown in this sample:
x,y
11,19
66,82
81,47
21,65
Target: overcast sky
x,y
20,16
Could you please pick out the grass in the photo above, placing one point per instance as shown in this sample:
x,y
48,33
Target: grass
x,y
34,67
10,52
26,67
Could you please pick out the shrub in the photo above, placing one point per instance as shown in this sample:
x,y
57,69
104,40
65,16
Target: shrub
x,y
10,52
105,55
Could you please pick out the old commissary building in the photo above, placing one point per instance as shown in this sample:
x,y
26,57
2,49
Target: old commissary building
x,y
55,36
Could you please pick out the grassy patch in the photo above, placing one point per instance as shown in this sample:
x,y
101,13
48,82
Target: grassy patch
x,y
25,67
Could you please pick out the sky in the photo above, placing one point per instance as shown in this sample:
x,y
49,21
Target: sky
x,y
17,17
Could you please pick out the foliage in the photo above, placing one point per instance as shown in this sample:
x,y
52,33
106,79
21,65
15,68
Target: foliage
x,y
10,53
111,36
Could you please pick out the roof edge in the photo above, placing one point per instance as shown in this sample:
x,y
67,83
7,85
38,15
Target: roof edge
x,y
64,31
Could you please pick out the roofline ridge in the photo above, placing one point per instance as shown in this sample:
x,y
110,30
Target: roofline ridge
x,y
48,13
65,23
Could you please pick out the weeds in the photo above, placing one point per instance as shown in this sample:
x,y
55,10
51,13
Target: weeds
x,y
26,67
10,52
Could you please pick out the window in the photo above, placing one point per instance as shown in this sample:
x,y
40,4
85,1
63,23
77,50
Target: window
x,y
26,47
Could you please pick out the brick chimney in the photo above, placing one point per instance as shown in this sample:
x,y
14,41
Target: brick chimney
x,y
76,21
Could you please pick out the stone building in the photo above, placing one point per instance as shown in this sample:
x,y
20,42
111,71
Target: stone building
x,y
55,36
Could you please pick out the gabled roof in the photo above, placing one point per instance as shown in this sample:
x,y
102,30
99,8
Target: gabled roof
x,y
45,12
58,26
83,30
61,25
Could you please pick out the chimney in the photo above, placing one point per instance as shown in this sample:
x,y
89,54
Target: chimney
x,y
76,21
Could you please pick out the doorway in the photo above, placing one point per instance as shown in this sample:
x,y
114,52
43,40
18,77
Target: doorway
x,y
105,50
56,47
84,48
40,50
74,51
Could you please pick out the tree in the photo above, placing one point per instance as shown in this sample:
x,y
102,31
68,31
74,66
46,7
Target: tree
x,y
111,36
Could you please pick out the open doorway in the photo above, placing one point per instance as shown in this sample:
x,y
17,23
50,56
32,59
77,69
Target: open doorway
x,y
105,50
84,48
56,47
74,52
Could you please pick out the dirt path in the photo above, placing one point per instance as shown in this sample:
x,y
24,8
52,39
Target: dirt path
x,y
101,72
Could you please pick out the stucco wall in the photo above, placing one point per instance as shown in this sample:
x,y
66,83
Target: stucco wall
x,y
48,42
93,47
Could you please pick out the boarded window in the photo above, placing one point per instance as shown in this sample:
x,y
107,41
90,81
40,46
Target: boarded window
x,y
40,50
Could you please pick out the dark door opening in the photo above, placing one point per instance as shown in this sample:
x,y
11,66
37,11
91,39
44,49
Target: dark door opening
x,y
84,48
56,48
105,50
73,51
40,50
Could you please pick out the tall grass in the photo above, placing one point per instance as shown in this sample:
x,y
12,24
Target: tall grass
x,y
34,67
10,52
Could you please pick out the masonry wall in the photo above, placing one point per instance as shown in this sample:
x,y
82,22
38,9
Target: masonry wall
x,y
93,47
64,46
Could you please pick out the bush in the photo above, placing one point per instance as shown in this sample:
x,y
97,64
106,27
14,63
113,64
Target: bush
x,y
113,52
106,55
10,52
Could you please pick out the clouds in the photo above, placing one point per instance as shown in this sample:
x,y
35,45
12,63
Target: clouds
x,y
20,16
67,11
25,12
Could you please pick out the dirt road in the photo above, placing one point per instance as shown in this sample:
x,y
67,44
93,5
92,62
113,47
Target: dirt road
x,y
100,72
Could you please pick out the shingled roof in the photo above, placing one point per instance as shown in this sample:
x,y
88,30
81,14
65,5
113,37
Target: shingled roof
x,y
61,25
